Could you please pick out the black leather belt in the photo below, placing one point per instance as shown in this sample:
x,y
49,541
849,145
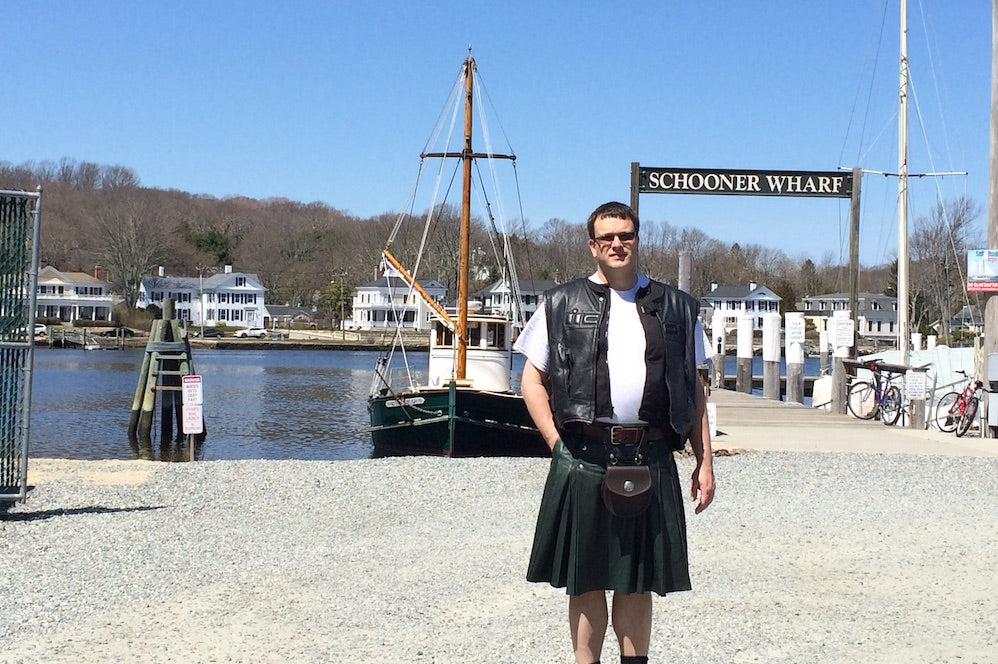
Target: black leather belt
x,y
614,434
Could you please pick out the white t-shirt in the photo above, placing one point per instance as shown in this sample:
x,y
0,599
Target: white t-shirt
x,y
625,349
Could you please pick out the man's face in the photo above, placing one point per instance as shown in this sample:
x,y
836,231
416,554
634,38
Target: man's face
x,y
616,243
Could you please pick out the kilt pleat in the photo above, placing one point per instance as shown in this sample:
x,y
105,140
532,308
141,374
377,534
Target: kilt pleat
x,y
579,546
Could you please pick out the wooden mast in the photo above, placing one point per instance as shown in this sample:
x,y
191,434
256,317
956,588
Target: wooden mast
x,y
461,333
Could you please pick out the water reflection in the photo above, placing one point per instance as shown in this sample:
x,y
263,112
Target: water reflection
x,y
286,404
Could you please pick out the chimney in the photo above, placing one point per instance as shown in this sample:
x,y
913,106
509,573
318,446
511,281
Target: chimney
x,y
228,269
752,286
557,276
713,286
97,272
162,271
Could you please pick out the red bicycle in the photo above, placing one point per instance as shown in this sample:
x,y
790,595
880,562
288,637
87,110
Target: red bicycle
x,y
956,411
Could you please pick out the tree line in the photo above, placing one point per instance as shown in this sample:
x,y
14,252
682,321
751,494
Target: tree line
x,y
314,255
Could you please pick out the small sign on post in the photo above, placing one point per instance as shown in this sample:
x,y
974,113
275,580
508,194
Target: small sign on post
x,y
795,329
192,409
193,419
192,390
915,384
844,332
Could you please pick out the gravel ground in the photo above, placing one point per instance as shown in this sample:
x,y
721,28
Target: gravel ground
x,y
803,557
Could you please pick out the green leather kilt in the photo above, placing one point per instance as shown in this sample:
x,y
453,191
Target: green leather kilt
x,y
579,546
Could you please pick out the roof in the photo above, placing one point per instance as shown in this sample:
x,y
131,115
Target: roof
x,y
845,296
735,292
277,311
75,277
399,282
525,286
208,284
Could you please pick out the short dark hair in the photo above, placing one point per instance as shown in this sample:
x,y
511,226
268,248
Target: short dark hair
x,y
615,210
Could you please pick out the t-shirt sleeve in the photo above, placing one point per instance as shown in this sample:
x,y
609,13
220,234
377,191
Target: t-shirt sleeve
x,y
533,341
699,345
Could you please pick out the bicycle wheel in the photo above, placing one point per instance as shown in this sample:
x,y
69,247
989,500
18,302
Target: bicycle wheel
x,y
946,416
968,417
863,400
890,406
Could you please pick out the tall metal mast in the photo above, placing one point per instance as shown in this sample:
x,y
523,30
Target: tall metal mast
x,y
904,331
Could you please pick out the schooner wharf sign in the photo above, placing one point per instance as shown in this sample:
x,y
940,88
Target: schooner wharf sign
x,y
826,184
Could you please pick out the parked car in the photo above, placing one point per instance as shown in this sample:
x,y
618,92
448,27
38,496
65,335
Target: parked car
x,y
116,332
257,332
209,333
41,330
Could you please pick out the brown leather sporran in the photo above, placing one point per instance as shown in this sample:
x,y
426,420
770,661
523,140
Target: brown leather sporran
x,y
627,490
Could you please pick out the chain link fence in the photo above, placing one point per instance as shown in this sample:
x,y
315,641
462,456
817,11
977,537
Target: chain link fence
x,y
20,217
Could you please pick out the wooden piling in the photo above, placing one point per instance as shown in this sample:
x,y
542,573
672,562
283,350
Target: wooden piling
x,y
771,356
167,359
743,355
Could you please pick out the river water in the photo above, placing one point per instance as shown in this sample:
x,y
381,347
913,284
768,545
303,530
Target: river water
x,y
262,404
277,404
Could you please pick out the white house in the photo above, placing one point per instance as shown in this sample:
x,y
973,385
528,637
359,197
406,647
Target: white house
x,y
876,313
969,318
71,296
382,303
230,298
733,301
496,297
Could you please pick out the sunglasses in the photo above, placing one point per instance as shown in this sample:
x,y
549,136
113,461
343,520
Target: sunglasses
x,y
626,236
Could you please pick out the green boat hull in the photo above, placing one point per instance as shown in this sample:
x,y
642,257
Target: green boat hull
x,y
454,422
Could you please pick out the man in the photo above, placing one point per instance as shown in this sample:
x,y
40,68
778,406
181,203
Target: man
x,y
614,348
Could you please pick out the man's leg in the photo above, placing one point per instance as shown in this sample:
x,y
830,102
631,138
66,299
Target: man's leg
x,y
632,622
587,619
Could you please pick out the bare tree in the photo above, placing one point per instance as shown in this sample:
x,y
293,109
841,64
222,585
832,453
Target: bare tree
x,y
133,229
660,251
939,247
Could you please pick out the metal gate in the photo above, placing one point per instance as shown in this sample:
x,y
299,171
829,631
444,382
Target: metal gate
x,y
20,220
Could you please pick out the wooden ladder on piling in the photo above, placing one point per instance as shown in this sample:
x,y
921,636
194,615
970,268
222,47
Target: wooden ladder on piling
x,y
167,359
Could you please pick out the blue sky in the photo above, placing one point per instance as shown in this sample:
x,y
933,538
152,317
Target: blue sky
x,y
333,101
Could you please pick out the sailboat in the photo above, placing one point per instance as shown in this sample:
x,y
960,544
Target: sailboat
x,y
465,405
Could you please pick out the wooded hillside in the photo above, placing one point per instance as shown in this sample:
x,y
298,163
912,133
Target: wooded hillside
x,y
101,215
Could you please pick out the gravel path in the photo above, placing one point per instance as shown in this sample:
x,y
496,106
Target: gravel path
x,y
803,557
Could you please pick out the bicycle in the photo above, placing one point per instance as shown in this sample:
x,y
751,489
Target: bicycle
x,y
876,397
956,411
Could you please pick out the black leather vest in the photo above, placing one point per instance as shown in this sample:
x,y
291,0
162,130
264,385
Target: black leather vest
x,y
577,313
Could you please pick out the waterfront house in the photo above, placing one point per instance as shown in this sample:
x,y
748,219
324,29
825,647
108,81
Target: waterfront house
x,y
286,317
380,304
230,298
969,319
73,296
734,301
876,313
496,297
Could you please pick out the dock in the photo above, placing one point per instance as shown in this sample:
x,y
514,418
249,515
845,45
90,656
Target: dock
x,y
730,381
748,422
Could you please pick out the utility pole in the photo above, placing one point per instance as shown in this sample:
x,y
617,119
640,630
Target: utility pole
x,y
991,306
343,334
991,303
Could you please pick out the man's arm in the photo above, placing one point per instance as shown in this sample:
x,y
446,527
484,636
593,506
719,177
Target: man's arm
x,y
702,483
533,384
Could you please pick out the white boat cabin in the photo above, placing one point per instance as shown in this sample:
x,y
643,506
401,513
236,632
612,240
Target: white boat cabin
x,y
489,358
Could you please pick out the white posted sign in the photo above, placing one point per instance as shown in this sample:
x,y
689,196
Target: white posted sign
x,y
193,394
915,384
193,418
192,410
844,329
795,330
